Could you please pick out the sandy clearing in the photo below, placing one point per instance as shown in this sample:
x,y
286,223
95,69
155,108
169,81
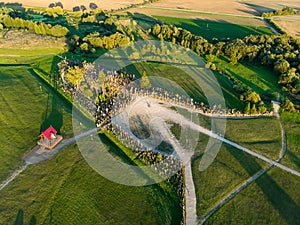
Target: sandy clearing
x,y
29,40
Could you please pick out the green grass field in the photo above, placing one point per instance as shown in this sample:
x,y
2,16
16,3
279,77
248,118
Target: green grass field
x,y
260,79
272,199
65,190
184,81
229,169
231,166
291,123
261,135
27,107
210,29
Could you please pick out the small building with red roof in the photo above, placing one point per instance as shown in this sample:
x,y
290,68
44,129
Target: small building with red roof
x,y
49,138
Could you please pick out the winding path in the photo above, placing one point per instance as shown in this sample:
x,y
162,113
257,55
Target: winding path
x,y
232,194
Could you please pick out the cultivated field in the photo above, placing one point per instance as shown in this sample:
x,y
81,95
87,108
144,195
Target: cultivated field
x,y
247,8
25,47
15,39
103,4
187,14
289,24
231,11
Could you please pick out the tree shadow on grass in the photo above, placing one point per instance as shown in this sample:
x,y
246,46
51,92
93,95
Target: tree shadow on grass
x,y
280,200
220,29
293,158
55,118
255,87
20,219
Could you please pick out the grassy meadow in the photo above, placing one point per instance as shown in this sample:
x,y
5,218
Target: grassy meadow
x,y
260,79
291,123
64,189
261,135
27,107
271,199
232,167
229,169
184,81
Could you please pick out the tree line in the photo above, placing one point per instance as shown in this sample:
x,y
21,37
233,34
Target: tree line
x,y
278,52
37,27
286,11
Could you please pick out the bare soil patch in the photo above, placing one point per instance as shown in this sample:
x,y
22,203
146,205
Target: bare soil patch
x,y
28,40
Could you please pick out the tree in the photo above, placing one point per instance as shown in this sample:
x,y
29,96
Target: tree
x,y
93,6
75,76
261,108
253,110
282,66
84,47
253,97
247,108
156,29
145,82
287,105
